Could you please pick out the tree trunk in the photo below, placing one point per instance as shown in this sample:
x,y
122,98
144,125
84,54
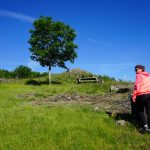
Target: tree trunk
x,y
49,74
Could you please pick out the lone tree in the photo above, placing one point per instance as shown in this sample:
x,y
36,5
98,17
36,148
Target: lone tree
x,y
52,43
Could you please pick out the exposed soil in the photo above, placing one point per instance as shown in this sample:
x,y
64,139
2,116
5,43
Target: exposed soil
x,y
112,102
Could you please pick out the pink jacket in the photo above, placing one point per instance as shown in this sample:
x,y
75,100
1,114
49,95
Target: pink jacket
x,y
142,85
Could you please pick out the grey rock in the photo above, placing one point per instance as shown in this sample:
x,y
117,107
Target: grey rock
x,y
121,122
96,109
119,88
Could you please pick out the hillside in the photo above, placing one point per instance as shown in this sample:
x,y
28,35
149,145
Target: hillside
x,y
66,115
95,94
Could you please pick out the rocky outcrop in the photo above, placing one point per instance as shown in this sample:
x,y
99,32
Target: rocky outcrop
x,y
120,88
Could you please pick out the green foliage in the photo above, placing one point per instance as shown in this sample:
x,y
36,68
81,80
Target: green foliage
x,y
72,75
6,74
107,78
14,74
22,72
52,43
37,74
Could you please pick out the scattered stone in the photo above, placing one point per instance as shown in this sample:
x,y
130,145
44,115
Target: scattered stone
x,y
68,98
96,109
121,122
110,103
4,80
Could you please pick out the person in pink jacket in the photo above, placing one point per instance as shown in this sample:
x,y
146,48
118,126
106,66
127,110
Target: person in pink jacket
x,y
141,97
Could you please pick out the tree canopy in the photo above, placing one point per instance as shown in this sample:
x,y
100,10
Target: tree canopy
x,y
52,43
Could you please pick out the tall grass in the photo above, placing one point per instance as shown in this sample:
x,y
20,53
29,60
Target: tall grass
x,y
60,127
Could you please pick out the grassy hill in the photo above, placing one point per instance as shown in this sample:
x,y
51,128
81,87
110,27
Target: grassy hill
x,y
27,125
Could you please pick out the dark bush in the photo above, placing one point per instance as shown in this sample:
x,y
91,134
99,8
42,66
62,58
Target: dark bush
x,y
22,72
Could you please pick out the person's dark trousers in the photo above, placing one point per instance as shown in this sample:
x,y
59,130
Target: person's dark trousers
x,y
134,114
143,108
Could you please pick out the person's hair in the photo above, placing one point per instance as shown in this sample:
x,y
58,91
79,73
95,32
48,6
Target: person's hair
x,y
140,67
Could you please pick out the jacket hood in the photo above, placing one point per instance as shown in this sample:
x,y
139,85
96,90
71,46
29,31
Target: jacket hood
x,y
144,73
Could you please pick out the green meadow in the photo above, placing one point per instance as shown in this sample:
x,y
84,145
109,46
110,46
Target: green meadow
x,y
27,126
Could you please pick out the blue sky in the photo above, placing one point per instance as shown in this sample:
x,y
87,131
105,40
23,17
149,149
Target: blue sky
x,y
113,35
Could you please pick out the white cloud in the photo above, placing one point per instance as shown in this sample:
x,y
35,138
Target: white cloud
x,y
96,41
17,16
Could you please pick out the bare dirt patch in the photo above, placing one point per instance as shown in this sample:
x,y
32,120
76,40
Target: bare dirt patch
x,y
112,102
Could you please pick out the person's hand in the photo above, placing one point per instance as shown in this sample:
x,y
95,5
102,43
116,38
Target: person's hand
x,y
133,98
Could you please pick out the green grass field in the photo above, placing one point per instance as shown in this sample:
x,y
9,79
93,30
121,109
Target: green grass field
x,y
61,127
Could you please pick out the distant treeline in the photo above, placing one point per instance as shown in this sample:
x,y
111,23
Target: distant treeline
x,y
20,72
26,72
